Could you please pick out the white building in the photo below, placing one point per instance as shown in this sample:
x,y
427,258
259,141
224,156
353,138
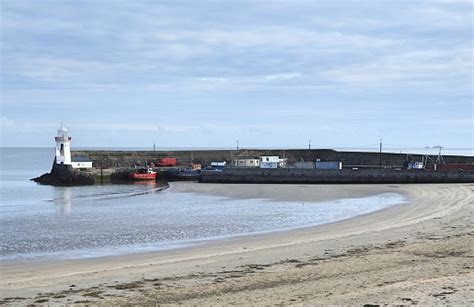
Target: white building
x,y
304,165
81,162
246,163
63,146
269,161
416,165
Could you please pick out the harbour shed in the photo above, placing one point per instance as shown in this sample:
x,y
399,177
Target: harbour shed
x,y
304,165
246,163
81,162
269,161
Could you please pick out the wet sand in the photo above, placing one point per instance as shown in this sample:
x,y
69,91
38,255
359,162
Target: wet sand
x,y
419,252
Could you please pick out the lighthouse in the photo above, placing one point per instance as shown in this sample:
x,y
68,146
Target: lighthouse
x,y
63,146
63,173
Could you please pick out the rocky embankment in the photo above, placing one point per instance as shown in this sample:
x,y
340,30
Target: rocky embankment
x,y
64,175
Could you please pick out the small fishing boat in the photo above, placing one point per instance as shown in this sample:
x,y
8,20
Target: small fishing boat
x,y
143,174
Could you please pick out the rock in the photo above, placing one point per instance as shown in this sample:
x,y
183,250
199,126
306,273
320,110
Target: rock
x,y
64,175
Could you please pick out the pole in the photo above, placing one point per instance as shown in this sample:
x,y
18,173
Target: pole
x,y
237,142
309,144
380,155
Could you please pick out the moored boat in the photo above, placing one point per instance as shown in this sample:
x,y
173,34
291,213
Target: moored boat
x,y
143,174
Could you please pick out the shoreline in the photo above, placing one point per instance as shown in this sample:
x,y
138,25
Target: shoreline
x,y
273,258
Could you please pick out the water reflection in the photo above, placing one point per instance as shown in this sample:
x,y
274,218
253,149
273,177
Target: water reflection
x,y
65,196
63,200
146,183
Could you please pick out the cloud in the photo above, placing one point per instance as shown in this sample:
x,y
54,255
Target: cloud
x,y
250,79
12,126
445,15
279,77
181,61
407,66
7,124
160,50
272,37
53,70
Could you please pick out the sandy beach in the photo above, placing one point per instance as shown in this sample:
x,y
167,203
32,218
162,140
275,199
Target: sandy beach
x,y
419,252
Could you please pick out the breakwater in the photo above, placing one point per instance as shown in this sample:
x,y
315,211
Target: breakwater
x,y
256,175
118,159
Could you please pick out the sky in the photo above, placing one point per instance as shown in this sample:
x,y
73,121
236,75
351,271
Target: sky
x,y
267,73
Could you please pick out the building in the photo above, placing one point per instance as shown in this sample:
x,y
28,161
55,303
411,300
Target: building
x,y
304,165
63,146
246,163
81,162
416,165
269,161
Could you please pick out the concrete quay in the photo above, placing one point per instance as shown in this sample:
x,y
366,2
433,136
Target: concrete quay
x,y
344,176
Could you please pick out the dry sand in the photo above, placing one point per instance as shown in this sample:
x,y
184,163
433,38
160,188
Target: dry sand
x,y
420,252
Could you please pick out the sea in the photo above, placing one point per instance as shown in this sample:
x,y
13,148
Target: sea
x,y
39,222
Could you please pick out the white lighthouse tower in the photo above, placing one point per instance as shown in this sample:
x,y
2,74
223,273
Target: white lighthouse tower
x,y
63,146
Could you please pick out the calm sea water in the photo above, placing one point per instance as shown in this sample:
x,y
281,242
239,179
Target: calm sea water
x,y
38,222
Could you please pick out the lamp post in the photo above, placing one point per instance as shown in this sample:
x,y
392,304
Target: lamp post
x,y
380,153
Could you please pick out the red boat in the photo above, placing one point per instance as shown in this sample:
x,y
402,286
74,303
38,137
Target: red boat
x,y
143,174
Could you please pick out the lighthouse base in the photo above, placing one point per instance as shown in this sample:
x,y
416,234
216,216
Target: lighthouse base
x,y
64,175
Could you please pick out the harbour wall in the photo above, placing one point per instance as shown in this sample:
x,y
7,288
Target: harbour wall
x,y
236,175
120,159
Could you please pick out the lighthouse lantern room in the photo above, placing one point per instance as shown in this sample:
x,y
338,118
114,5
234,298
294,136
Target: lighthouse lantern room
x,y
63,146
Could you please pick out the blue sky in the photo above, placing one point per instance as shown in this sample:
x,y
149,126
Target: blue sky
x,y
268,73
